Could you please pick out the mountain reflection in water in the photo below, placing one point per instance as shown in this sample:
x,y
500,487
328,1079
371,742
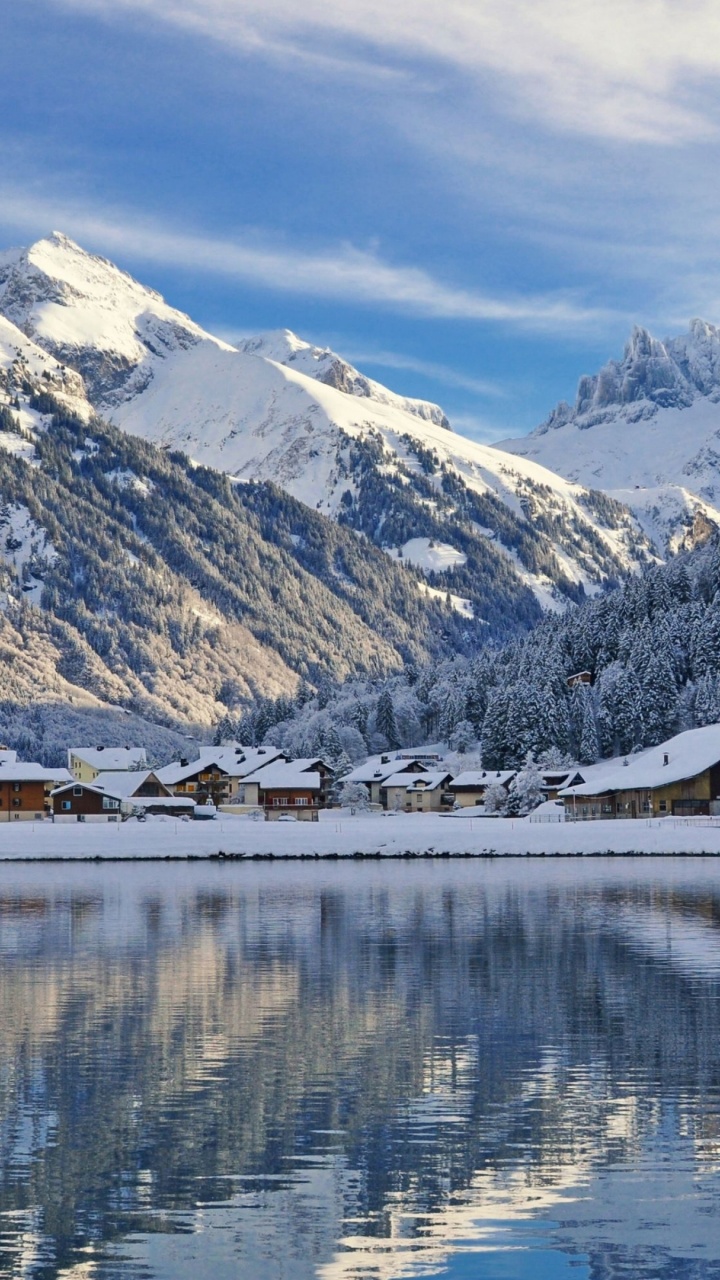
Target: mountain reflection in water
x,y
275,1072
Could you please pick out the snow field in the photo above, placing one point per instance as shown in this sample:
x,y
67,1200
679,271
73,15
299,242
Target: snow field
x,y
371,836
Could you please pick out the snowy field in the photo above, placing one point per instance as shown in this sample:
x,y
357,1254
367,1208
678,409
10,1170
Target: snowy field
x,y
377,835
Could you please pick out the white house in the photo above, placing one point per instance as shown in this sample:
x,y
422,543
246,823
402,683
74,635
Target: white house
x,y
85,763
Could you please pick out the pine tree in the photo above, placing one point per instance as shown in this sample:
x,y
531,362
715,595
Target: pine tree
x,y
385,719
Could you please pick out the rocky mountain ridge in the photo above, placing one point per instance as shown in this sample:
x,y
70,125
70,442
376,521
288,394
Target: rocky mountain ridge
x,y
646,429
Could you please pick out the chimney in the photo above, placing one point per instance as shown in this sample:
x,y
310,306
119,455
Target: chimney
x,y
666,758
184,764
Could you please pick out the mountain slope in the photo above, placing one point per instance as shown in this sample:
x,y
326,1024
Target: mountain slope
x,y
277,409
646,428
160,587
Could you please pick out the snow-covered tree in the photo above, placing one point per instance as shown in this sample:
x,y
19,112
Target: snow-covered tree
x,y
354,795
385,722
496,798
526,788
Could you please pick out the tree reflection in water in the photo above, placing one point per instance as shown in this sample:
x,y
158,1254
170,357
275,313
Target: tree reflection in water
x,y
475,1068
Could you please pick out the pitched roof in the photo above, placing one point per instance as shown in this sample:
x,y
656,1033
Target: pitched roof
x,y
236,762
483,778
418,781
688,754
13,772
374,770
107,758
125,782
281,776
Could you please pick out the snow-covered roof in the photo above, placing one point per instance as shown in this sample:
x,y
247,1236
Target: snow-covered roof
x,y
163,802
236,762
13,772
109,758
688,754
376,770
483,778
87,786
280,776
7,756
418,781
124,782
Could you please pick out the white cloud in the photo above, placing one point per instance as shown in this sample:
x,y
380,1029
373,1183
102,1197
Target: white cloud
x,y
426,368
343,273
606,68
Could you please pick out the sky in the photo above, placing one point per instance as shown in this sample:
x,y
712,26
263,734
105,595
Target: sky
x,y
474,201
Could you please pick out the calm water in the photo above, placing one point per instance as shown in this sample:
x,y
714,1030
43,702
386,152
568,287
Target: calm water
x,y
493,1070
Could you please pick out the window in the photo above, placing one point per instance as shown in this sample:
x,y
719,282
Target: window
x,y
110,803
16,802
277,801
663,806
77,791
65,805
301,800
17,786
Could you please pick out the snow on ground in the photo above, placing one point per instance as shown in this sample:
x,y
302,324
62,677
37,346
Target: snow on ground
x,y
23,542
460,604
369,835
429,555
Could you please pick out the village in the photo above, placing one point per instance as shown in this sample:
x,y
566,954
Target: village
x,y
679,778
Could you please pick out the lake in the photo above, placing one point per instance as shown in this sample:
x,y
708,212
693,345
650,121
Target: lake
x,y
474,1069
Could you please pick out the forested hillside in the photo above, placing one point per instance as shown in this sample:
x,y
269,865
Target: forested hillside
x,y
652,649
141,582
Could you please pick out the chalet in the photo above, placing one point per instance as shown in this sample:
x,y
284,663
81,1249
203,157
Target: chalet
x,y
555,780
144,792
216,777
25,790
579,677
298,788
85,763
419,793
85,802
469,788
681,777
116,795
373,773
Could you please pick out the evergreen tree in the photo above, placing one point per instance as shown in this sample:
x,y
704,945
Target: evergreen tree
x,y
385,719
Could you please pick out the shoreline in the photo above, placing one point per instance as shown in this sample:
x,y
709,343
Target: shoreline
x,y
401,837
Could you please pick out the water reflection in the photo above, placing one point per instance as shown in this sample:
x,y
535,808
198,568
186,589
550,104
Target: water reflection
x,y
258,1072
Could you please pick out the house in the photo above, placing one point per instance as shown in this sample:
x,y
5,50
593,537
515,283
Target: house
x,y
468,789
680,777
85,802
25,790
116,795
419,793
85,763
143,791
299,788
555,780
373,773
579,677
217,775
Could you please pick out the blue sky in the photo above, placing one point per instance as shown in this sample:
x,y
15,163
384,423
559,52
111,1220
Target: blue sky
x,y
473,201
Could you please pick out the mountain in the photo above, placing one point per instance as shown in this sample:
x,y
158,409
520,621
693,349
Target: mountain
x,y
646,430
492,535
143,596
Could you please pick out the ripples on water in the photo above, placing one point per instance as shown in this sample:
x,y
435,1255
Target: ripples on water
x,y
494,1070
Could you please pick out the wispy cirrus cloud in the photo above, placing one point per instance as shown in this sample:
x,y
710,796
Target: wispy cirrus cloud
x,y
344,273
603,68
425,368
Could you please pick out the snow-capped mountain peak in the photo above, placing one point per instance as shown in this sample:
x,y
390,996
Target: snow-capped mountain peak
x,y
646,428
324,365
92,315
277,408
